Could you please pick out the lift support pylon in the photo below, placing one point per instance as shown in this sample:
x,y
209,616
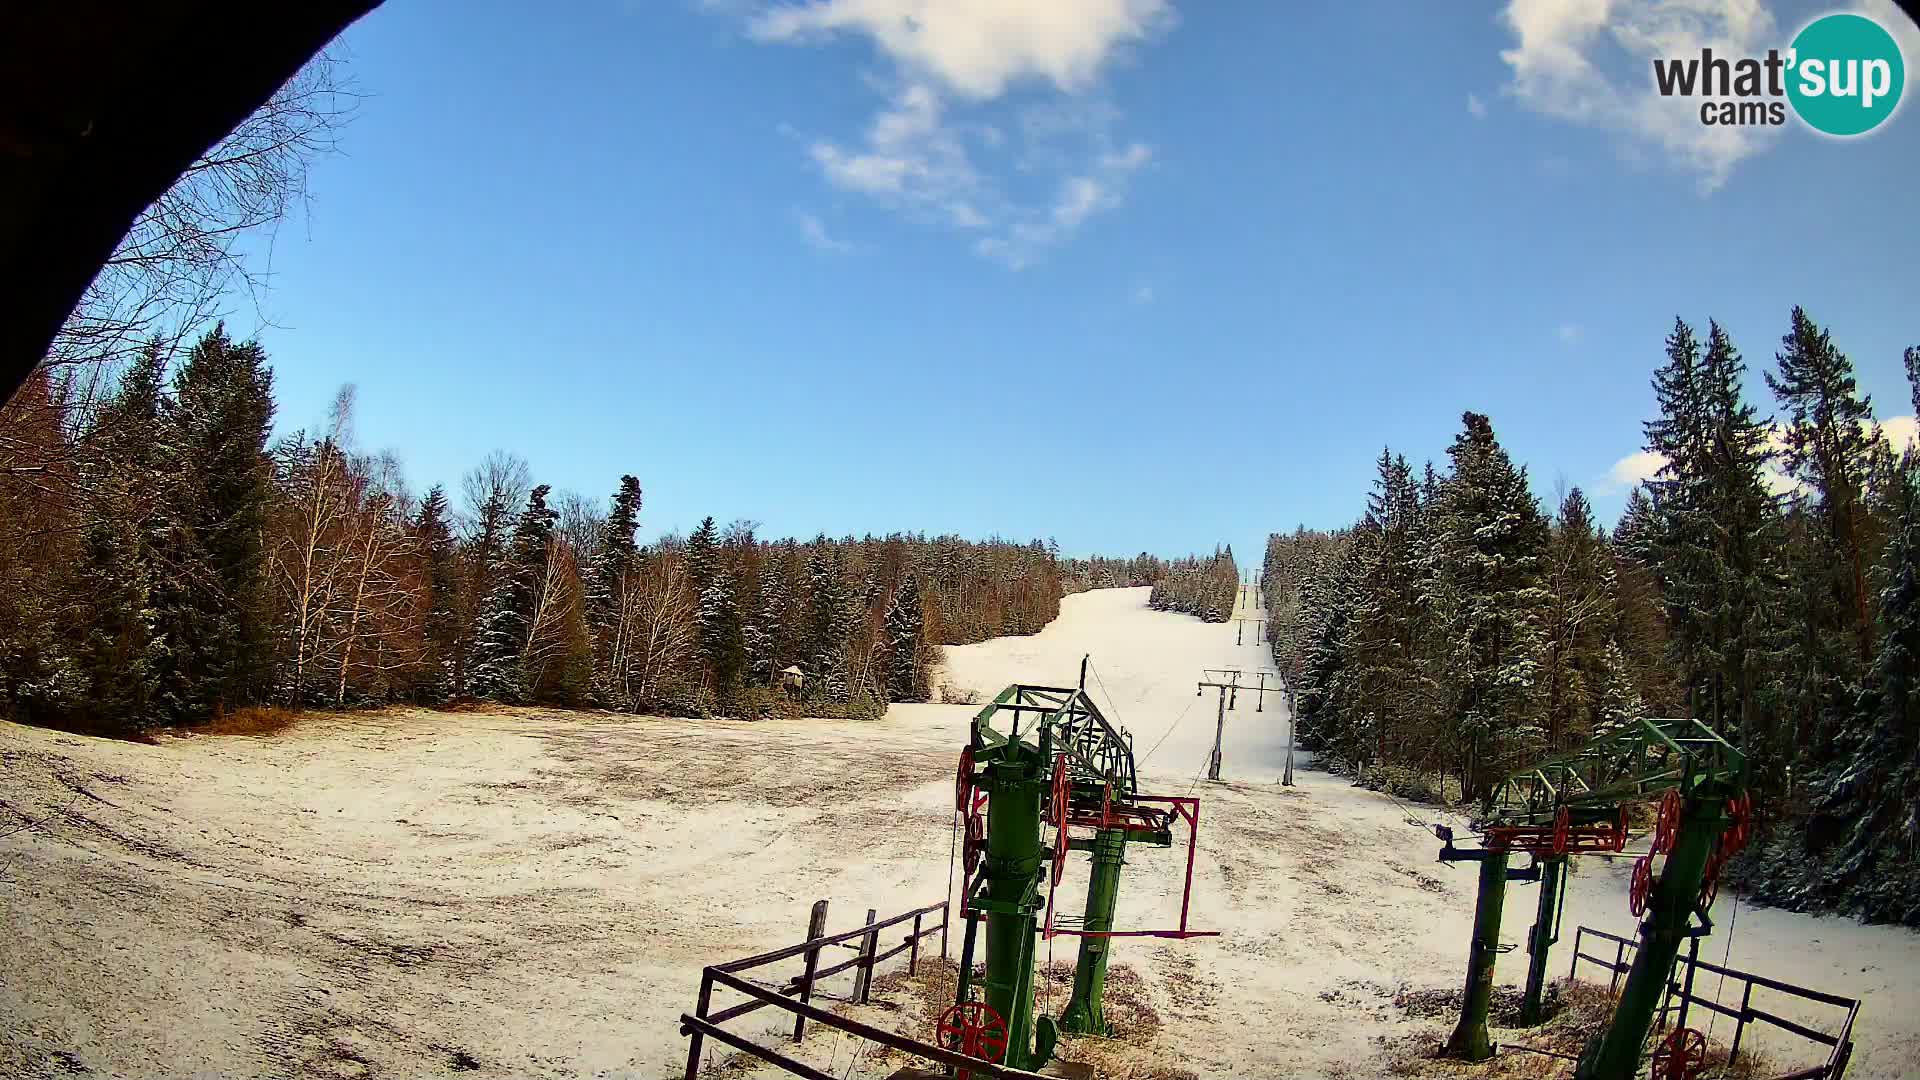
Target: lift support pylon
x,y
1574,803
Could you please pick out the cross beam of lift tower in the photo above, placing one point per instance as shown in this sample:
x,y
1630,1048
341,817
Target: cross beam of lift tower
x,y
1227,681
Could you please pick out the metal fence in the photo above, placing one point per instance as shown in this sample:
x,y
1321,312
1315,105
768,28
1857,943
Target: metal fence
x,y
796,995
1681,998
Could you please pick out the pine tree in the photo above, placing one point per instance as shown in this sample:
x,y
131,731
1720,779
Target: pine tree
x,y
1386,622
1829,435
615,555
1856,848
1912,358
434,537
210,600
1716,531
608,579
1580,606
1746,522
114,581
1620,702
717,610
505,627
906,671
1639,622
1493,543
829,620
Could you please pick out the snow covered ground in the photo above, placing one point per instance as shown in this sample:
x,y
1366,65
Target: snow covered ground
x,y
530,892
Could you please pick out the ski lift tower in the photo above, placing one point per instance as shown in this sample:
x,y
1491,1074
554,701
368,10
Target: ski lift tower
x,y
1575,803
1039,756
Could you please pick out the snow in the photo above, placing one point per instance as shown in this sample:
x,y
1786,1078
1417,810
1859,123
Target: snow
x,y
536,891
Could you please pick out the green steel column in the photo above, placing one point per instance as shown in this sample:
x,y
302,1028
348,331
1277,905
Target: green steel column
x,y
1470,1041
1616,1056
1085,1013
1540,940
1015,787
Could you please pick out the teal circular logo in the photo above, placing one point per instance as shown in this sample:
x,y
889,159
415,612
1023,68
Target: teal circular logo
x,y
1845,74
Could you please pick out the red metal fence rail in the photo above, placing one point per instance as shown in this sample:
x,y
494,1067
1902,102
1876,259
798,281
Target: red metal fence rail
x,y
1839,1044
796,994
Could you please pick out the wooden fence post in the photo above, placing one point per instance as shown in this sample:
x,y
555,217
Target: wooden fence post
x,y
1740,1026
869,947
913,950
816,927
699,1010
1686,991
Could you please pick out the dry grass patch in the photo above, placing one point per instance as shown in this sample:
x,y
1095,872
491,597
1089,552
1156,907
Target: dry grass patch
x,y
1576,1013
256,720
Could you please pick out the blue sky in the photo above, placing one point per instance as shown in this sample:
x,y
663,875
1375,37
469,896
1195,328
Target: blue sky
x,y
1134,274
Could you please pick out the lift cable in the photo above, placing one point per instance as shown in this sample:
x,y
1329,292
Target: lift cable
x,y
1407,813
1141,766
1733,918
953,843
1102,683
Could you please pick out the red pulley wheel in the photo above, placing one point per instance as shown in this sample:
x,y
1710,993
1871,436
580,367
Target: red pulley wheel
x,y
974,1029
1740,815
1620,832
1640,886
1709,885
1667,822
1561,823
1680,1056
1057,808
963,783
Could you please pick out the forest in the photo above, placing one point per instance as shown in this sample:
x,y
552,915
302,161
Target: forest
x,y
166,562
1765,580
1197,586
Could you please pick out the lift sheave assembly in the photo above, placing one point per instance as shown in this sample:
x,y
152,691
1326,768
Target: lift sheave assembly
x,y
1575,803
1045,774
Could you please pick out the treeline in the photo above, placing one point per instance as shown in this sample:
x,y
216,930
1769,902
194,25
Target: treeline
x,y
1081,575
1198,586
163,563
1766,581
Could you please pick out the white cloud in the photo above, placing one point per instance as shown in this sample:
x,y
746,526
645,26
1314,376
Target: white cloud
x,y
1901,431
1590,62
977,48
1569,333
814,232
1143,294
1476,107
1630,471
938,152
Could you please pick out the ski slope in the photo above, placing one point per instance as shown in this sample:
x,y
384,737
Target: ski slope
x,y
1144,668
533,892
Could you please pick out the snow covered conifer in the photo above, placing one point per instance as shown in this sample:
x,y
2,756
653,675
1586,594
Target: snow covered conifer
x,y
906,668
434,535
608,580
1829,437
1494,543
210,601
505,626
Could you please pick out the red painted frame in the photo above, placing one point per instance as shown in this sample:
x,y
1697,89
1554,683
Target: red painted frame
x,y
1185,808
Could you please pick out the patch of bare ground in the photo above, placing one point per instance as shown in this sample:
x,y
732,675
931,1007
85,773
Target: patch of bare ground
x,y
1577,1012
911,1005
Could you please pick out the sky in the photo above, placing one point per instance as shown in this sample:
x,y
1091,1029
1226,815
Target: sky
x,y
1131,274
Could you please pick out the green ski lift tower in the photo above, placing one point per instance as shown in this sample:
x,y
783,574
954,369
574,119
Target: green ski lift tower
x,y
1044,773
